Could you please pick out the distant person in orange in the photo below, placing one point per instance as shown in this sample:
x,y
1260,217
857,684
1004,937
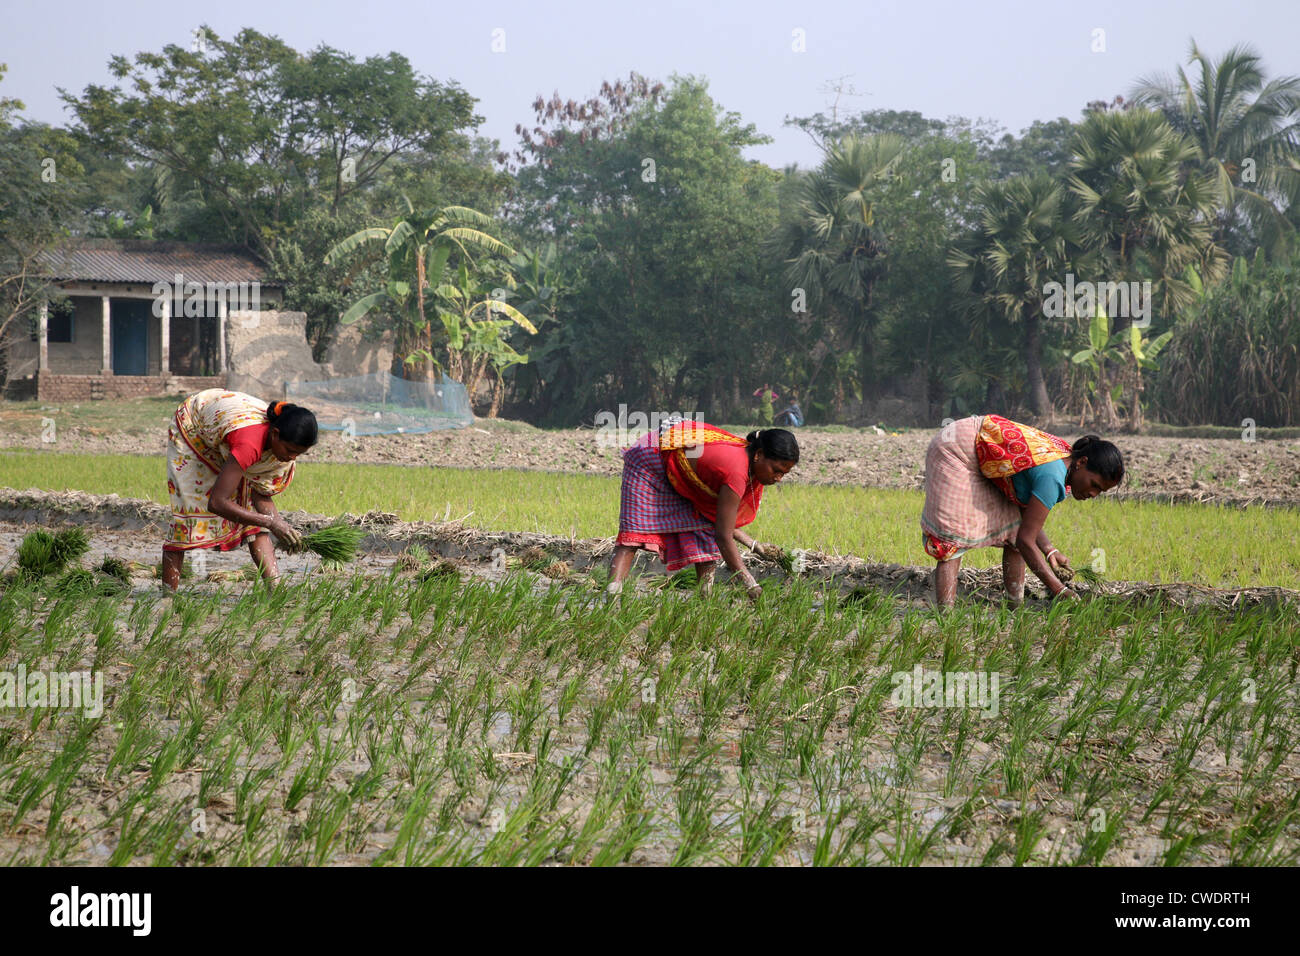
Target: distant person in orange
x,y
228,455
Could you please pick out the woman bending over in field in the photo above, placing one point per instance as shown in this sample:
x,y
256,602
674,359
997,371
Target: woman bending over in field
x,y
228,454
990,482
687,491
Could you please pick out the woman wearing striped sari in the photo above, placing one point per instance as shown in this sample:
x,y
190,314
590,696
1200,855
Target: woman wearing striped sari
x,y
990,482
687,491
228,454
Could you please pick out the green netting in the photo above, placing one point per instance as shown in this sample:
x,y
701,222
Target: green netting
x,y
382,404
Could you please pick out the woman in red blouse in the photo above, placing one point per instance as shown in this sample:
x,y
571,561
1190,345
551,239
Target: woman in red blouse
x,y
686,491
228,455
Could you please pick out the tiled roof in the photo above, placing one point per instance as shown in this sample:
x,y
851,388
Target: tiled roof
x,y
146,261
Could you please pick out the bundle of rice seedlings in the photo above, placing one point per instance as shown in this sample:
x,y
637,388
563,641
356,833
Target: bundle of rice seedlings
x,y
70,544
336,544
116,568
1087,574
42,553
557,569
81,582
36,555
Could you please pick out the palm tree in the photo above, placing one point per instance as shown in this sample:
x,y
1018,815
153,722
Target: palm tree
x,y
831,245
1144,210
417,248
1247,136
1024,240
1138,205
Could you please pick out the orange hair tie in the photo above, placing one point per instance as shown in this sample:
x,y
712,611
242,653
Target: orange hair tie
x,y
277,408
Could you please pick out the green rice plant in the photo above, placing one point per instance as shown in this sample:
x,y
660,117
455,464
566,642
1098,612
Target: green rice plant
x,y
83,583
115,568
41,554
37,556
335,544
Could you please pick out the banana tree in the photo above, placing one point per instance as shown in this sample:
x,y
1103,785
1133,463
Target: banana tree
x,y
417,249
467,308
1101,351
1144,353
1106,352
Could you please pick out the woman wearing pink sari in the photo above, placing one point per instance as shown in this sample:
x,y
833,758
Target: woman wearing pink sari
x,y
991,482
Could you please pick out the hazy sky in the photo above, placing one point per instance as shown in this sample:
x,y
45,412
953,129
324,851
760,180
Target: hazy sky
x,y
1013,61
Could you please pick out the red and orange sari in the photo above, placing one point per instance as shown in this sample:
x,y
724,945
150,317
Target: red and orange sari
x,y
969,499
700,485
668,500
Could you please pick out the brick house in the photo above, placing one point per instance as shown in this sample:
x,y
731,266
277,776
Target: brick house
x,y
133,317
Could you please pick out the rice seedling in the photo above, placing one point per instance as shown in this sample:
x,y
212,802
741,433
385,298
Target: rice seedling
x,y
765,736
42,554
335,544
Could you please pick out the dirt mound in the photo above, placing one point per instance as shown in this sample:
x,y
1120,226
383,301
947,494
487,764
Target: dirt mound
x,y
132,529
1203,470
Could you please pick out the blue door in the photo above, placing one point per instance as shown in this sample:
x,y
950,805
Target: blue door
x,y
129,320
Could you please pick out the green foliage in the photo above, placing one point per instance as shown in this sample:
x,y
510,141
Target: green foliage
x,y
1237,355
264,133
660,217
1243,129
336,544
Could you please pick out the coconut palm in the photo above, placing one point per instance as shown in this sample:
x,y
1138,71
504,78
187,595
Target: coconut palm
x,y
1023,240
831,245
1247,136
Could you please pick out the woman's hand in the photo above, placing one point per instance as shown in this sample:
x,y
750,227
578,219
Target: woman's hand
x,y
1065,594
289,538
752,589
1061,566
771,552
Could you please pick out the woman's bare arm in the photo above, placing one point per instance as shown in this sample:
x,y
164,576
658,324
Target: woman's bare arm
x,y
1032,518
221,499
725,527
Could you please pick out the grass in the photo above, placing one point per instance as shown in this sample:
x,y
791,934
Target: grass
x,y
1125,540
395,720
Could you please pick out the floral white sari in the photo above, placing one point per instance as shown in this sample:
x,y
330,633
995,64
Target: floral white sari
x,y
196,451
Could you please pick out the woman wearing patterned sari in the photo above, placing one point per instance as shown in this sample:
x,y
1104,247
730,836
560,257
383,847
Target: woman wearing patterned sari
x,y
228,454
687,491
990,482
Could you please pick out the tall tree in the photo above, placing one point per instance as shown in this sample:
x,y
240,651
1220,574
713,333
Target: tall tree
x,y
1246,134
832,249
41,195
1024,240
658,215
262,132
